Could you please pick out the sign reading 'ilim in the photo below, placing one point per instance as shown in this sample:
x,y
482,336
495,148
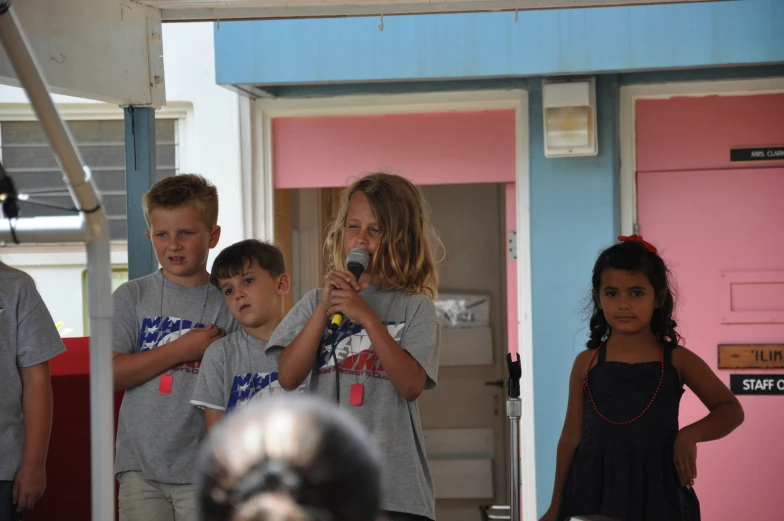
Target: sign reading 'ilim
x,y
751,356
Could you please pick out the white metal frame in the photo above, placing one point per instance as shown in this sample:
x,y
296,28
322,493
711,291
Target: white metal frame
x,y
258,182
628,98
90,227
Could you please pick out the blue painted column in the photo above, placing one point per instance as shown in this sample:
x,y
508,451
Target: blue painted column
x,y
140,174
574,215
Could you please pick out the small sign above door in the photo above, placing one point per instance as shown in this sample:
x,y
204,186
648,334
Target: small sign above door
x,y
751,356
751,154
757,383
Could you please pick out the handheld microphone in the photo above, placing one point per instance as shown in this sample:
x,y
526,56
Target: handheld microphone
x,y
356,262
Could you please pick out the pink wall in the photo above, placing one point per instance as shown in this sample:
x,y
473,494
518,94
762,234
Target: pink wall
x,y
706,129
711,223
428,148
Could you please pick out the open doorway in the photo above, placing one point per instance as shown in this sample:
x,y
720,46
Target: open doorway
x,y
468,151
464,420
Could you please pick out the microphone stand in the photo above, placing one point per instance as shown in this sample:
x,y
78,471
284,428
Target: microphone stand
x,y
514,410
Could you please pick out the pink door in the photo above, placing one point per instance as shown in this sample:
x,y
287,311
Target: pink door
x,y
721,228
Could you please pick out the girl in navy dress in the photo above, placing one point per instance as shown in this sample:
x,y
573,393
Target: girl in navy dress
x,y
621,452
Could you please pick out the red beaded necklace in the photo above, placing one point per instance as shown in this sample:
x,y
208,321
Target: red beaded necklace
x,y
587,386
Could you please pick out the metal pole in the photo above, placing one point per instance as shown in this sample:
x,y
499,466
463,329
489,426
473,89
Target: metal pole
x,y
85,196
514,408
513,411
44,229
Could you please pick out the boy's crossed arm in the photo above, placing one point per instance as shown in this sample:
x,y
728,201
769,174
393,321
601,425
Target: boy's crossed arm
x,y
212,416
135,369
208,394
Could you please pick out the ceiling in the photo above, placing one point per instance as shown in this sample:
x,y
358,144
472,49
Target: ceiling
x,y
191,10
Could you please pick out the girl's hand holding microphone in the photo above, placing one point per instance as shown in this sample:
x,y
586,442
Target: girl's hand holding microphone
x,y
341,295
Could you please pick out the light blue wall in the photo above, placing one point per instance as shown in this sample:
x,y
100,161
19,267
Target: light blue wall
x,y
573,215
491,45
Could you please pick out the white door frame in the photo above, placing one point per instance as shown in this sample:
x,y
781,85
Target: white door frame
x,y
627,127
258,185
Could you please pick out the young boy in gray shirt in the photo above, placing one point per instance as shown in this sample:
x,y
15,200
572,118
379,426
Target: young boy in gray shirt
x,y
28,340
252,277
163,323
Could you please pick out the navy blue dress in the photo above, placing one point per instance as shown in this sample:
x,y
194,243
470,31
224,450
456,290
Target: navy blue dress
x,y
627,472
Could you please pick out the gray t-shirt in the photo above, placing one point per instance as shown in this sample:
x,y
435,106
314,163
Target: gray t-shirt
x,y
392,421
159,434
236,369
28,337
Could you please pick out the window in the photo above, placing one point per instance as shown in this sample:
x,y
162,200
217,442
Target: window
x,y
31,164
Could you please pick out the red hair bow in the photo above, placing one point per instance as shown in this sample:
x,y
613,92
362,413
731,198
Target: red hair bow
x,y
638,238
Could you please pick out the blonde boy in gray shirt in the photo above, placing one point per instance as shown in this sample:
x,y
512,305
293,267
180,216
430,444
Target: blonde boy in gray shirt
x,y
163,323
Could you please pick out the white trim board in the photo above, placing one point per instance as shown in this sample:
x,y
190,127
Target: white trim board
x,y
56,256
88,111
627,118
392,103
525,335
263,111
196,10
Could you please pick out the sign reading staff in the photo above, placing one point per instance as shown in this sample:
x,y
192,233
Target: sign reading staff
x,y
757,383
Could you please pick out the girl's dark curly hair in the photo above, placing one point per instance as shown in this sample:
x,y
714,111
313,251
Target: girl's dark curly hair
x,y
635,256
289,458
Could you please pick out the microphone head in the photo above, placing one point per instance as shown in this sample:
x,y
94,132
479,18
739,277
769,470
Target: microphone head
x,y
358,256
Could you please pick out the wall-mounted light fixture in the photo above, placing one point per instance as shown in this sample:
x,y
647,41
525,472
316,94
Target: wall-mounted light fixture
x,y
569,117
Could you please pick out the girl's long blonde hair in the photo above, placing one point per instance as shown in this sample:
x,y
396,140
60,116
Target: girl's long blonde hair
x,y
406,256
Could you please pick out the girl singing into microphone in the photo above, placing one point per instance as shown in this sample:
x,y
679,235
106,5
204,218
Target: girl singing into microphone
x,y
385,352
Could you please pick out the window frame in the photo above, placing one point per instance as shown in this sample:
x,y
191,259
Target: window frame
x,y
97,111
